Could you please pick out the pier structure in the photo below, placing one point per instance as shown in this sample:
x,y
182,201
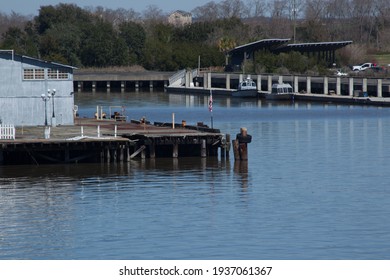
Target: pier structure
x,y
119,80
106,141
345,86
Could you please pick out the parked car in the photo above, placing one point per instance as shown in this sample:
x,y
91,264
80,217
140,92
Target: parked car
x,y
363,66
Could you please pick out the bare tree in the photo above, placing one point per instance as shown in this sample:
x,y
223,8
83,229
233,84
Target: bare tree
x,y
279,9
257,8
361,13
12,20
382,13
232,8
153,14
207,12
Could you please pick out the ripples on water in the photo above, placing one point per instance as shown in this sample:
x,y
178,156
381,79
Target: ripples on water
x,y
315,187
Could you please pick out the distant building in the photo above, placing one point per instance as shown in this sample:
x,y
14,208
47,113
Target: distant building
x,y
23,81
180,18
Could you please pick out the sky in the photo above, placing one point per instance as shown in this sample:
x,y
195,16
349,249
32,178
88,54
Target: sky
x,y
31,7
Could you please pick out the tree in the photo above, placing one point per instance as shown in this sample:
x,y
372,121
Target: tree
x,y
207,12
14,39
134,36
226,44
102,47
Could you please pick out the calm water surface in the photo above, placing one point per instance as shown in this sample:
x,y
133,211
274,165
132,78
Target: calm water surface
x,y
316,186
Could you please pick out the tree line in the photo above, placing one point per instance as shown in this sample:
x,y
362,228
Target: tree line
x,y
99,37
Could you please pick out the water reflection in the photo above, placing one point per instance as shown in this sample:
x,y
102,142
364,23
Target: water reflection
x,y
316,175
241,170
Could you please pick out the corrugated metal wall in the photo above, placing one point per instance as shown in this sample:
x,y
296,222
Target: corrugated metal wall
x,y
21,102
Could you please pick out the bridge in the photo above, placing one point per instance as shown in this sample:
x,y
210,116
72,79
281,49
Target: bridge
x,y
119,79
195,80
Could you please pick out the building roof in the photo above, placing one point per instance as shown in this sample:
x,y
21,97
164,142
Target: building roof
x,y
314,47
10,55
181,12
277,45
261,44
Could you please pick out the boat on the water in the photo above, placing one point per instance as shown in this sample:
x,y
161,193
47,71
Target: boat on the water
x,y
280,91
246,88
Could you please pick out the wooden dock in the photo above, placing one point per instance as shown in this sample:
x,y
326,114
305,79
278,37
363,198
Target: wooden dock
x,y
91,140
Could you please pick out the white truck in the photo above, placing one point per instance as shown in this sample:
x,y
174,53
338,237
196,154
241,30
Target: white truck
x,y
363,66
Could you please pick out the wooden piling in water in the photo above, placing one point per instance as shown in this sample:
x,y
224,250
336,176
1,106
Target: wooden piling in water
x,y
240,144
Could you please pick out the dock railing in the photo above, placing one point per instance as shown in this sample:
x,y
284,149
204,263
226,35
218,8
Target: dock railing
x,y
178,78
7,131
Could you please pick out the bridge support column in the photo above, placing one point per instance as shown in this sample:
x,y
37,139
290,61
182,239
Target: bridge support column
x,y
136,85
165,86
379,88
208,80
326,85
338,86
296,84
93,86
228,81
308,84
258,82
190,79
187,79
108,85
350,86
269,88
280,80
364,85
123,85
79,86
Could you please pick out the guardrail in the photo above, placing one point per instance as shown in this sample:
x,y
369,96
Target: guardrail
x,y
178,78
7,131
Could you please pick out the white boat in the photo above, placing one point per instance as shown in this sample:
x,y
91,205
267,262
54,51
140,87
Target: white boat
x,y
246,88
280,91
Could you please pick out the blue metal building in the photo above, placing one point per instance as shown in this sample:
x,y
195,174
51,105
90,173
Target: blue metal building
x,y
35,92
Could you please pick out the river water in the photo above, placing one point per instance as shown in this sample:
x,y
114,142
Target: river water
x,y
316,186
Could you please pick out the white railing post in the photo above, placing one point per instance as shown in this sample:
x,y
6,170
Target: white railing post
x,y
7,131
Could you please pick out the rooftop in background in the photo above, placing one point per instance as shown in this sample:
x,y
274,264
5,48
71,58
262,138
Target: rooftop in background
x,y
313,47
325,50
261,44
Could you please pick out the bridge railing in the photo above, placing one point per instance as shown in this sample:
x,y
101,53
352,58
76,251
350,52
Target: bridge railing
x,y
178,78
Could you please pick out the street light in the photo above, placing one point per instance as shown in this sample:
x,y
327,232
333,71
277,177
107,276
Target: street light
x,y
45,98
52,93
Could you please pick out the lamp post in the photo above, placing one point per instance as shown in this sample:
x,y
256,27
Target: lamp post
x,y
53,117
52,93
45,98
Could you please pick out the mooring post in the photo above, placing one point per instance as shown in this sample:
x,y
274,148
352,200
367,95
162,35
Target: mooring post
x,y
227,145
108,155
152,150
240,144
121,155
175,152
224,146
203,152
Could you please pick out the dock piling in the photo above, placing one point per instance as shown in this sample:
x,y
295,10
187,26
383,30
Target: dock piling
x,y
240,144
